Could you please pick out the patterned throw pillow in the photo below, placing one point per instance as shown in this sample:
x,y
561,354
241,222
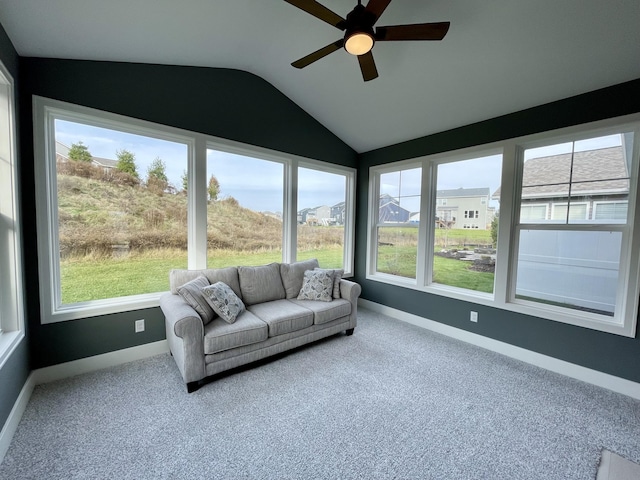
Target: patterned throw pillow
x,y
316,285
191,292
337,276
224,301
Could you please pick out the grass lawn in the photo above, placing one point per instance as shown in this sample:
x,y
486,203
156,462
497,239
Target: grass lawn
x,y
88,278
446,271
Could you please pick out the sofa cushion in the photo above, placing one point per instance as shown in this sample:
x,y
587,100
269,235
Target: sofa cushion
x,y
191,292
223,301
260,284
317,285
292,275
337,276
324,312
228,275
282,316
220,335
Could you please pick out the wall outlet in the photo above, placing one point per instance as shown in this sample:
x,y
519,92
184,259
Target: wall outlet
x,y
474,316
140,325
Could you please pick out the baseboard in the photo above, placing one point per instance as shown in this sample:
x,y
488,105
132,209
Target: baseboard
x,y
70,369
11,424
98,362
594,377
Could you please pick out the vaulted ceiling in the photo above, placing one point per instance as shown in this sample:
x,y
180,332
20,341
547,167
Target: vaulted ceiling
x,y
499,56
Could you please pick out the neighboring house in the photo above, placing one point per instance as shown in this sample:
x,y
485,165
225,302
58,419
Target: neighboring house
x,y
599,186
464,208
62,155
390,210
316,216
338,213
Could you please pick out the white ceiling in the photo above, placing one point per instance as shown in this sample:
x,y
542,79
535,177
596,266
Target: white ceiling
x,y
500,56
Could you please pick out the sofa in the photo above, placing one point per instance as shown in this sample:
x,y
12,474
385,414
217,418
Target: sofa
x,y
219,319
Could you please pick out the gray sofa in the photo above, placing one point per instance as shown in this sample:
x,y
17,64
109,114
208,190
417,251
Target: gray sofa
x,y
278,315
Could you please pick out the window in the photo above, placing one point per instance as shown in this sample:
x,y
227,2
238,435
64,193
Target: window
x,y
244,210
11,301
120,202
120,214
465,259
322,197
398,216
570,263
558,236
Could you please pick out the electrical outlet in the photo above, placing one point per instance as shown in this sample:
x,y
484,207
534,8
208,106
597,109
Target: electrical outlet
x,y
474,316
140,325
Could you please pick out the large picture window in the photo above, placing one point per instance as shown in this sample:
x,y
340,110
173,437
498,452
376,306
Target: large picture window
x,y
543,225
121,202
574,261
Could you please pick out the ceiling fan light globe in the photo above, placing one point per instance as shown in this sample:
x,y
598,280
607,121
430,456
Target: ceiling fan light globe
x,y
358,43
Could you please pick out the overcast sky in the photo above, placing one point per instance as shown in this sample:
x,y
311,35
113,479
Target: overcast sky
x,y
256,184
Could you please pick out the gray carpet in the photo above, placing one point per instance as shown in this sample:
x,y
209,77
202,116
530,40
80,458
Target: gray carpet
x,y
392,401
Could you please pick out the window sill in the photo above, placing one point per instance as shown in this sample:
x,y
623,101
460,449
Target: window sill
x,y
8,342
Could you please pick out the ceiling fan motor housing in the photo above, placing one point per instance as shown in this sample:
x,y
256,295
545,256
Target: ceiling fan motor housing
x,y
359,21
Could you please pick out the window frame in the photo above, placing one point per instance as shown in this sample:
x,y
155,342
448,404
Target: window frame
x,y
503,297
46,110
11,282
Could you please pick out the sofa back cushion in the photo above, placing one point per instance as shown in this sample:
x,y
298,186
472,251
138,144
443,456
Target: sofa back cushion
x,y
292,275
229,275
260,284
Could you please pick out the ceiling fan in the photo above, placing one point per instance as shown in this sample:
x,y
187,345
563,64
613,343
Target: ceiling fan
x,y
360,36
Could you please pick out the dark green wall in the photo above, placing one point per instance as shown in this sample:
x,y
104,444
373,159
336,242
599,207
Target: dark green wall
x,y
16,369
225,103
608,353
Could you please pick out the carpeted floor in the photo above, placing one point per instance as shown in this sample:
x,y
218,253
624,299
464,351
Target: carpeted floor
x,y
391,401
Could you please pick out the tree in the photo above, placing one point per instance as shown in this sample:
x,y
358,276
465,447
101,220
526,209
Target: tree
x,y
79,152
185,181
157,180
127,163
494,228
214,188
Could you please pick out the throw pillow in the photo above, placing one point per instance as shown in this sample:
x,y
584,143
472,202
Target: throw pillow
x,y
224,301
261,284
337,276
316,285
192,294
292,274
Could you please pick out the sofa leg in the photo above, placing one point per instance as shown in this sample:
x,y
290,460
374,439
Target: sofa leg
x,y
349,331
192,386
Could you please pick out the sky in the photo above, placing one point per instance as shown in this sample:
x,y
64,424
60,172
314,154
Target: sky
x,y
256,184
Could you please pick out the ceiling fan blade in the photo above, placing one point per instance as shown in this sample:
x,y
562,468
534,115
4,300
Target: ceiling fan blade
x,y
377,7
367,66
418,31
318,54
320,12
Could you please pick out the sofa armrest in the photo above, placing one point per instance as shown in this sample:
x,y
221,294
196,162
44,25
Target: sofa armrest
x,y
351,291
185,335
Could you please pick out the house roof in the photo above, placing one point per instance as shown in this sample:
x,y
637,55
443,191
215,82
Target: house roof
x,y
423,88
464,192
105,162
595,172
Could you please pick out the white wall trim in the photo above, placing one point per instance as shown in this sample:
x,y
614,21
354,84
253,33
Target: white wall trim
x,y
70,369
11,425
594,377
98,362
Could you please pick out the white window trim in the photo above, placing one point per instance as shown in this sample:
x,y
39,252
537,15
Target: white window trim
x,y
546,210
11,296
555,205
44,112
597,203
504,287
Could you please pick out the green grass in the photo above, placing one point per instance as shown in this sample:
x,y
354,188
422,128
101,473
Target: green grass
x,y
89,278
401,261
